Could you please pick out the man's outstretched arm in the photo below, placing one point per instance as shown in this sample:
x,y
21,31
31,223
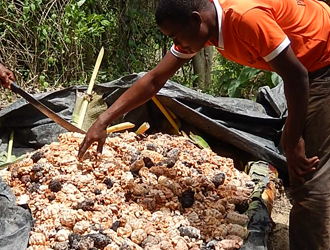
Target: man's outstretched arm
x,y
143,90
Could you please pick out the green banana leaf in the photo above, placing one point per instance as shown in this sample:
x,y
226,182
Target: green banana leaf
x,y
13,159
198,140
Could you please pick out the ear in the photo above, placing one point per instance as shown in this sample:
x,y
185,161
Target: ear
x,y
196,18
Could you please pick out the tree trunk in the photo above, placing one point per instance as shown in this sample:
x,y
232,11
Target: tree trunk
x,y
202,64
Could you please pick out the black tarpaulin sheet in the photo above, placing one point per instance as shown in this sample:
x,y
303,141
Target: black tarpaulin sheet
x,y
253,127
15,221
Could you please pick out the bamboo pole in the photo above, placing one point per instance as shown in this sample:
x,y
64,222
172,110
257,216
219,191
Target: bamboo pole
x,y
120,127
10,146
167,115
171,114
89,89
143,128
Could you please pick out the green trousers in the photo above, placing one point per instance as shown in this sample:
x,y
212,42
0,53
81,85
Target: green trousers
x,y
310,216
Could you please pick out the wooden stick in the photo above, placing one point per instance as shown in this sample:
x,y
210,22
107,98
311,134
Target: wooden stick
x,y
84,105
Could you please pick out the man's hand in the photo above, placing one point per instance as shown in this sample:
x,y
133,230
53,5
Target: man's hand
x,y
96,133
6,76
141,91
298,164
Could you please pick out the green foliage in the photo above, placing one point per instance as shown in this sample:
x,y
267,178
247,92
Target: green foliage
x,y
50,40
233,80
137,40
185,75
50,43
230,79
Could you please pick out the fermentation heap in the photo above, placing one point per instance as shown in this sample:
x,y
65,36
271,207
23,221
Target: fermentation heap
x,y
144,192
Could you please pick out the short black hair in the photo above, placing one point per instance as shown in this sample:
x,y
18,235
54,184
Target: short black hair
x,y
178,10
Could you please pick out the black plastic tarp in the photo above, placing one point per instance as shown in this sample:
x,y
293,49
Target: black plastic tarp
x,y
15,221
253,127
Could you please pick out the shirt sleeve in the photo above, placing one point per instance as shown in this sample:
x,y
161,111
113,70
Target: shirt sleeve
x,y
180,53
258,28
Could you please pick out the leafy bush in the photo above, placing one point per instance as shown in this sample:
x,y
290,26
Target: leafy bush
x,y
57,42
235,80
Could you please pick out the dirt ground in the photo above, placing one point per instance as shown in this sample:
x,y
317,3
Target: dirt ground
x,y
279,237
6,97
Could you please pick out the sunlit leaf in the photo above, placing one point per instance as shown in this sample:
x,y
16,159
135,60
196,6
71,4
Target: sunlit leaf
x,y
199,140
276,79
81,2
105,22
245,75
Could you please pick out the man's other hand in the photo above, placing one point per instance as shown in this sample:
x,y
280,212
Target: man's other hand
x,y
298,164
6,76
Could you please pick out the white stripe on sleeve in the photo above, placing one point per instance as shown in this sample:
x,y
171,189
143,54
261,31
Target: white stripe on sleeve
x,y
278,50
180,54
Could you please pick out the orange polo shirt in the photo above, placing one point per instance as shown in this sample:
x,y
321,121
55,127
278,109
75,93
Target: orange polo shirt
x,y
253,32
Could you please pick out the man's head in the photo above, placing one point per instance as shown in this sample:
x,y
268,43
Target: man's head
x,y
185,22
178,10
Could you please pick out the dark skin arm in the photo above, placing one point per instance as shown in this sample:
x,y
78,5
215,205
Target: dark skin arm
x,y
142,91
6,76
296,88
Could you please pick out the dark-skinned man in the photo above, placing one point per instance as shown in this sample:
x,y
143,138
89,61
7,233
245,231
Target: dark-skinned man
x,y
290,37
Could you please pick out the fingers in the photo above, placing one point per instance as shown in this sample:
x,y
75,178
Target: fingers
x,y
293,173
303,167
3,77
11,76
311,162
83,147
96,133
306,165
5,80
300,171
6,76
86,144
299,165
100,145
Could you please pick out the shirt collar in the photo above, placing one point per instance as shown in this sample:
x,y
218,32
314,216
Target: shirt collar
x,y
219,15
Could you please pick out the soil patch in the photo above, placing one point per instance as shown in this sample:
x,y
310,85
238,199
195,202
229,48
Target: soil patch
x,y
6,97
279,237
